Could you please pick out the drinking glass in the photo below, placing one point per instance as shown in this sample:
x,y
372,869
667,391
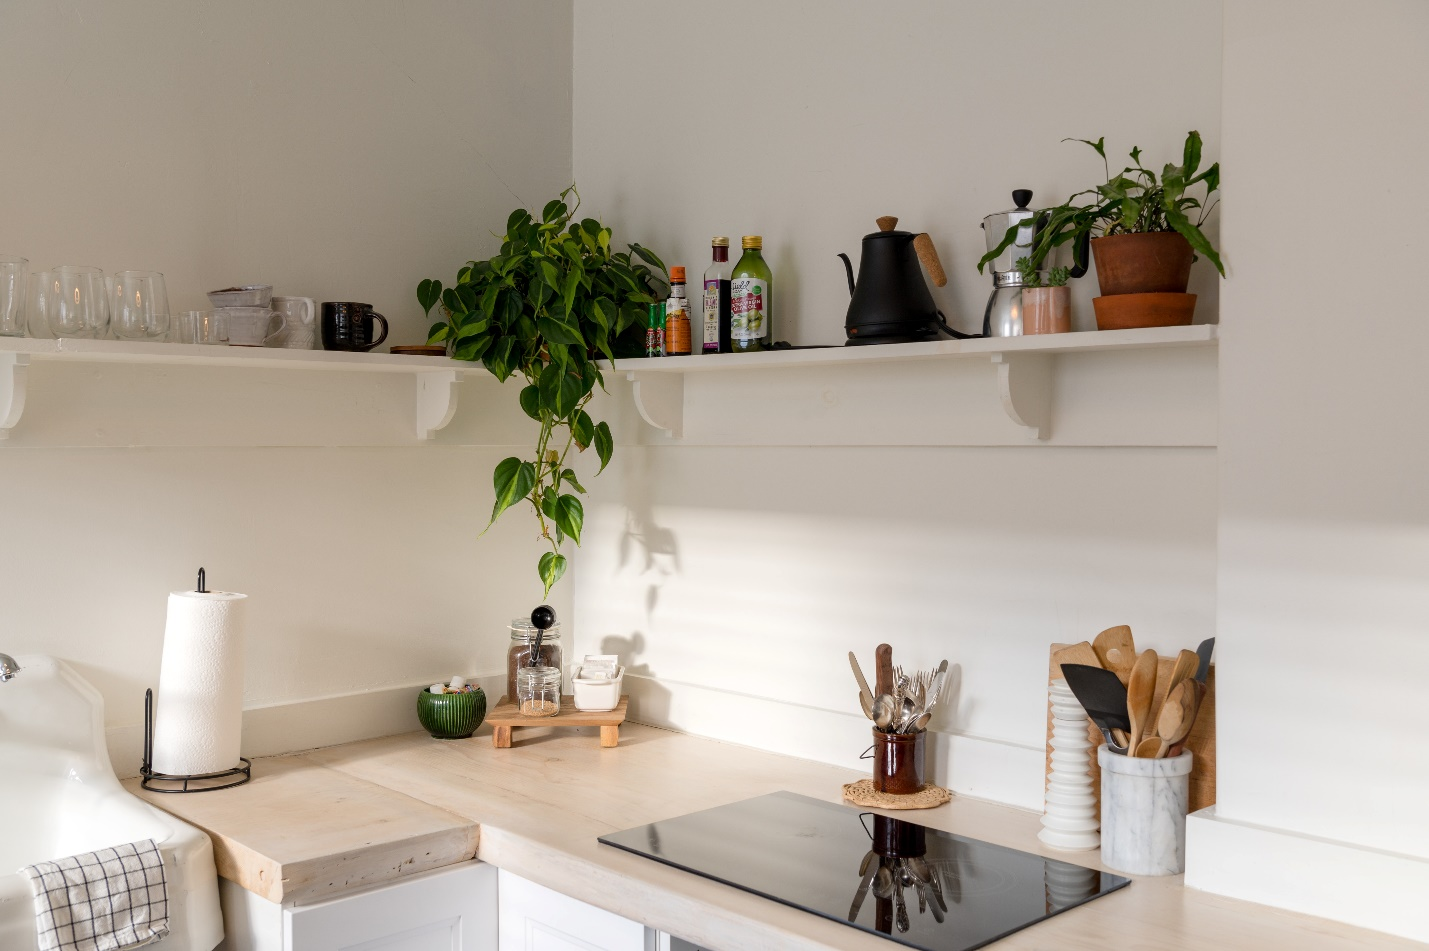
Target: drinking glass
x,y
138,305
41,292
199,326
80,305
12,295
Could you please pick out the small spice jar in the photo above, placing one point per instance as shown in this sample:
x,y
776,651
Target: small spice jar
x,y
523,639
538,691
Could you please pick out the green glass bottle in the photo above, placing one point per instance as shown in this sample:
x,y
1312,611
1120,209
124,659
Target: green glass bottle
x,y
750,300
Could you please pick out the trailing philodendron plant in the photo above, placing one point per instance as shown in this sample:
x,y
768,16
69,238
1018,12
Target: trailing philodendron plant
x,y
555,300
1134,201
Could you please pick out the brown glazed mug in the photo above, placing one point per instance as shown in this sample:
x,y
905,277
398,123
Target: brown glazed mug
x,y
898,762
347,325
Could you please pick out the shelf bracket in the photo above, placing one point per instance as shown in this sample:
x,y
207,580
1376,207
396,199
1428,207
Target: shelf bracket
x,y
13,369
660,398
1024,382
436,400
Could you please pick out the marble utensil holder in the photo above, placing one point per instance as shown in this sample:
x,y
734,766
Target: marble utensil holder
x,y
1144,812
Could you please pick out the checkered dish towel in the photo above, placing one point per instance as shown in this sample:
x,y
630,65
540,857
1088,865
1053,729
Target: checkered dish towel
x,y
109,900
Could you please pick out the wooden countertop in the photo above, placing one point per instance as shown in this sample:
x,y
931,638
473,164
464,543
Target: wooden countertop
x,y
316,823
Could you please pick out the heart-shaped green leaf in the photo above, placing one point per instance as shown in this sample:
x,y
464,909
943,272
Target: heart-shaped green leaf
x,y
428,293
513,481
551,567
604,445
570,516
531,401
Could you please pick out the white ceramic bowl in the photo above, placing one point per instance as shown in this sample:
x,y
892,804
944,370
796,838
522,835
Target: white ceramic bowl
x,y
596,697
245,295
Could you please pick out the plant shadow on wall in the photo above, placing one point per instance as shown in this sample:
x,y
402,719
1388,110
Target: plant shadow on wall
x,y
555,300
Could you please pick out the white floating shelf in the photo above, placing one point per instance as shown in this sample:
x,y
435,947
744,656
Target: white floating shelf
x,y
1024,367
435,378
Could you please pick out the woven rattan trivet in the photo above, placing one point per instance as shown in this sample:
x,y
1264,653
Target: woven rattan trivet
x,y
862,793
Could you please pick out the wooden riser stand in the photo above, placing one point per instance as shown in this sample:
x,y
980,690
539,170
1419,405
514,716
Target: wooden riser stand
x,y
507,717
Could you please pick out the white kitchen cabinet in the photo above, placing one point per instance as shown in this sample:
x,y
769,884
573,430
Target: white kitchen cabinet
x,y
535,918
449,909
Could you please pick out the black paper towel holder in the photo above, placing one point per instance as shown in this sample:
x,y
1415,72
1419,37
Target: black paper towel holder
x,y
209,781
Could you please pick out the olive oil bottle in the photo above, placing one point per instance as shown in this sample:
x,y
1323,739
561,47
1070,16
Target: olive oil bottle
x,y
750,300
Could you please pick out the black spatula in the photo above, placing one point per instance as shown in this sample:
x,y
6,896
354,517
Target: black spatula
x,y
1203,654
1103,696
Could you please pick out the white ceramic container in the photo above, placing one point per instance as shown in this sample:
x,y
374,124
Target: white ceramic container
x,y
1144,804
599,693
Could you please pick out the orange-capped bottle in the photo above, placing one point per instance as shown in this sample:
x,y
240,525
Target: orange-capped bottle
x,y
677,316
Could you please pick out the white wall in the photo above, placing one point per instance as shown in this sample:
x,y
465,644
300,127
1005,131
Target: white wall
x,y
338,150
804,122
1324,524
769,564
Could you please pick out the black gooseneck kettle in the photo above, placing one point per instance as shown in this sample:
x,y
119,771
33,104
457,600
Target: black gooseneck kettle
x,y
890,300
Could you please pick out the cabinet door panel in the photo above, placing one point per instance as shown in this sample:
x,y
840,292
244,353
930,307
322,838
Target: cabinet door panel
x,y
535,918
451,909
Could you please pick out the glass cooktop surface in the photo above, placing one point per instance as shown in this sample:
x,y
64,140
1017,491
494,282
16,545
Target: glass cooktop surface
x,y
923,888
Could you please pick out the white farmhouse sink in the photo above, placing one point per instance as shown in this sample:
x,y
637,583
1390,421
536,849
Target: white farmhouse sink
x,y
59,796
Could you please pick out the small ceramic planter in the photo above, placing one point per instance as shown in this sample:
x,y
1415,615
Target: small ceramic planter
x,y
1046,310
1144,805
451,716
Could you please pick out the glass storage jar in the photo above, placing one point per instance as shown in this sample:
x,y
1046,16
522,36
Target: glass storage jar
x,y
523,639
538,690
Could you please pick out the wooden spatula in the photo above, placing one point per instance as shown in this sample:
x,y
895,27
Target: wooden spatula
x,y
1076,654
1140,688
1116,651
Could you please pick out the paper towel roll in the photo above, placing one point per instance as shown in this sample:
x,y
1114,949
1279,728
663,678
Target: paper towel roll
x,y
199,721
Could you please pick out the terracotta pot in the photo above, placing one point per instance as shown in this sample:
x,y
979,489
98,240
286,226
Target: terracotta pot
x,y
1046,310
1156,263
1126,311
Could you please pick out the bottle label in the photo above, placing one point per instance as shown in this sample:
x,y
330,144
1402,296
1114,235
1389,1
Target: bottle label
x,y
677,328
711,327
748,308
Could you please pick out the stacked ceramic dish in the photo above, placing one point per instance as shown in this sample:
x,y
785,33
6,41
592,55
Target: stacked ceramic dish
x,y
247,316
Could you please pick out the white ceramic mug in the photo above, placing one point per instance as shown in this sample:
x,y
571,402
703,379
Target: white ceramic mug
x,y
252,326
301,314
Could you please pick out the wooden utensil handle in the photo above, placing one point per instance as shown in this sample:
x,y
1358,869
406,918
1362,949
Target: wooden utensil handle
x,y
883,668
928,254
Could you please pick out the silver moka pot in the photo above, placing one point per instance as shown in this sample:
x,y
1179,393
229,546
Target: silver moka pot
x,y
1003,317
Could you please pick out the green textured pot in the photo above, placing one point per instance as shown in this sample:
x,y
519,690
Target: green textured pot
x,y
451,716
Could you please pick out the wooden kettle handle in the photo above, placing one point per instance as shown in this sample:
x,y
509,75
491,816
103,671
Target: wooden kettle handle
x,y
929,256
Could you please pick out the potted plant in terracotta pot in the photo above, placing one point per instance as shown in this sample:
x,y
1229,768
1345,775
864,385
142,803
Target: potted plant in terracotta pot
x,y
1143,238
1046,308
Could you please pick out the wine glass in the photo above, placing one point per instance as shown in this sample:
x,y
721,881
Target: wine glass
x,y
12,295
138,305
79,305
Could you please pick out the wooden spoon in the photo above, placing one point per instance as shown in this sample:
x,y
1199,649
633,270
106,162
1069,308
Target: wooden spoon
x,y
1116,651
1184,669
1140,688
1150,748
1178,715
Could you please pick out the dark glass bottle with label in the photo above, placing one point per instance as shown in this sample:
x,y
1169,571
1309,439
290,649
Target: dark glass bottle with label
x,y
751,309
715,324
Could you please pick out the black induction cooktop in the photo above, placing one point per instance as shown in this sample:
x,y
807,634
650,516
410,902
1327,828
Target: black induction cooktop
x,y
920,887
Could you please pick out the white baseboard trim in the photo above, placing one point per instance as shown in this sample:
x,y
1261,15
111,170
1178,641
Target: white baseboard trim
x,y
968,765
1322,877
274,729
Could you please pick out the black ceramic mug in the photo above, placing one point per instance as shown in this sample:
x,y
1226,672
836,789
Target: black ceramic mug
x,y
347,325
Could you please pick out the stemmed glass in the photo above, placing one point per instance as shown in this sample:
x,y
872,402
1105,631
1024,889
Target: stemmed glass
x,y
139,305
12,296
79,302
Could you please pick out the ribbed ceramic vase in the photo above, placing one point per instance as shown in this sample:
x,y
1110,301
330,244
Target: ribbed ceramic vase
x,y
451,716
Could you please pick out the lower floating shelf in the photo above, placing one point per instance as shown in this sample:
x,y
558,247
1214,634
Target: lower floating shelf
x,y
506,717
1024,367
436,378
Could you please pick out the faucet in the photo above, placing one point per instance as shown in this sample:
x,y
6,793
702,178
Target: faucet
x,y
8,668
